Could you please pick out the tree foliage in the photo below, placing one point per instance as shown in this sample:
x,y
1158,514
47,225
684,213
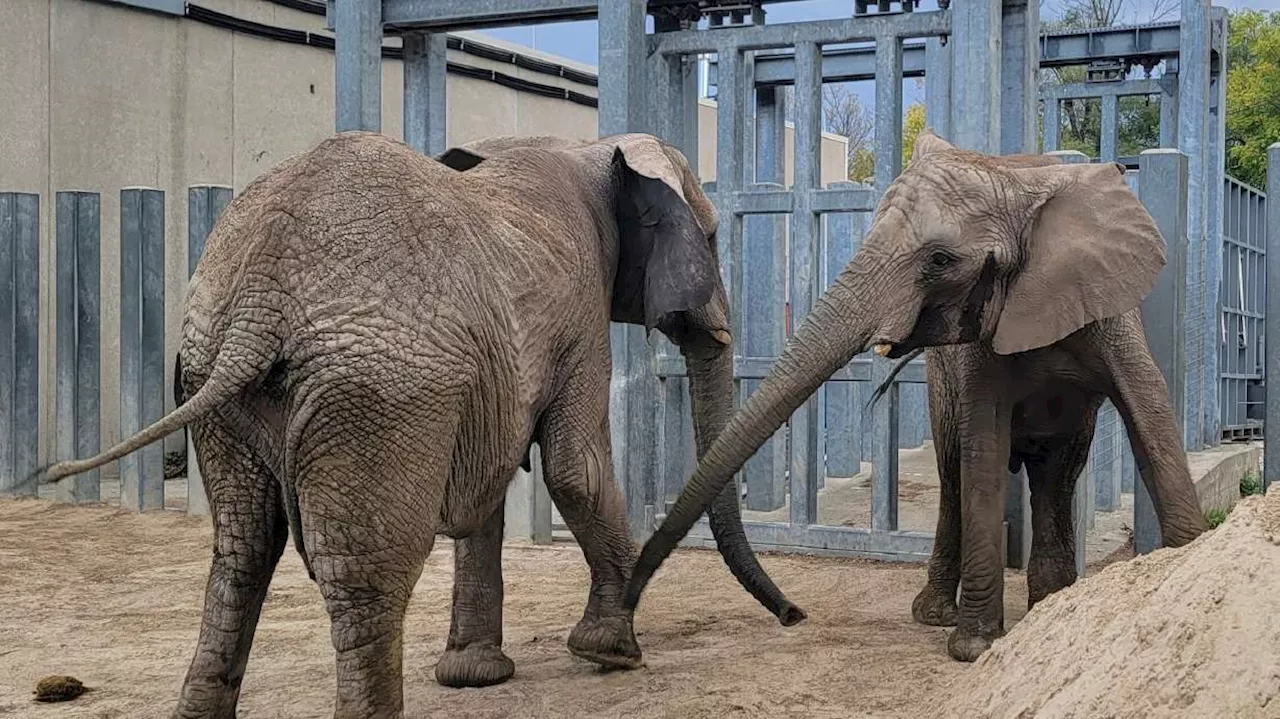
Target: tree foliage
x,y
912,125
1253,93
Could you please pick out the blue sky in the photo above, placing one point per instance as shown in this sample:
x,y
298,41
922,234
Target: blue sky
x,y
578,40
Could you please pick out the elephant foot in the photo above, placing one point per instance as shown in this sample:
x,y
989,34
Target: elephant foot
x,y
205,700
966,647
935,608
610,642
476,665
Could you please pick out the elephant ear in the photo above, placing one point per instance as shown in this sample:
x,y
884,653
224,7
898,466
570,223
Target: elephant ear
x,y
1092,252
927,143
460,158
666,261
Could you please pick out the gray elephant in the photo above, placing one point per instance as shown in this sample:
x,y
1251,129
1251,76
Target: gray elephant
x,y
373,339
1025,277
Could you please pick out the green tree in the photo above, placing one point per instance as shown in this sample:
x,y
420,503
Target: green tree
x,y
1253,93
912,125
862,164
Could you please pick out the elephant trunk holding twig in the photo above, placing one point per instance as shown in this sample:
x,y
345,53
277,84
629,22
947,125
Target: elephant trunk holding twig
x,y
372,340
1024,276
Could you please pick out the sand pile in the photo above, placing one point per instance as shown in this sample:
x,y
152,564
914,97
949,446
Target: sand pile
x,y
1188,632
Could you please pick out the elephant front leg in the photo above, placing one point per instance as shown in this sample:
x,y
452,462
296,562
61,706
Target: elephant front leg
x,y
473,656
984,472
578,468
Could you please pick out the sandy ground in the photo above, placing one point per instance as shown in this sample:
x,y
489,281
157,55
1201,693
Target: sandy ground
x,y
113,598
1186,632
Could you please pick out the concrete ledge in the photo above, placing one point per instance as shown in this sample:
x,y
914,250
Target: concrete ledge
x,y
1217,471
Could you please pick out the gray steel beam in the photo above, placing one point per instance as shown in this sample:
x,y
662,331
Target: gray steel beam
x,y
884,415
1163,189
1193,125
976,64
867,28
358,65
19,341
937,85
425,78
1057,49
829,541
1141,42
1271,342
804,269
1090,90
447,15
142,369
77,349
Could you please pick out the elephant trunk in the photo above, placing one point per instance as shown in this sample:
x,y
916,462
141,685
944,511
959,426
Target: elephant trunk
x,y
711,390
835,330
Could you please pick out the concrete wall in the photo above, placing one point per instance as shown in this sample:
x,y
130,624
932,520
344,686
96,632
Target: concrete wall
x,y
98,97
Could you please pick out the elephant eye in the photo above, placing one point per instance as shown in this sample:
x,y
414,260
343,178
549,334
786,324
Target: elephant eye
x,y
939,259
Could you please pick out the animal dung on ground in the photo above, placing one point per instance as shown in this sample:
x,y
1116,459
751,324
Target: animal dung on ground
x,y
59,689
1186,632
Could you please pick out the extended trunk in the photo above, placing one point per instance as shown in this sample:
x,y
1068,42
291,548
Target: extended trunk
x,y
835,331
711,390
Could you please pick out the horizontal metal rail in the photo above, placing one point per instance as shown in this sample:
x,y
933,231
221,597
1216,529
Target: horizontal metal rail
x,y
859,370
766,37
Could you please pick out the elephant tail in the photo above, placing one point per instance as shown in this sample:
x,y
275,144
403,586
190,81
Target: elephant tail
x,y
247,354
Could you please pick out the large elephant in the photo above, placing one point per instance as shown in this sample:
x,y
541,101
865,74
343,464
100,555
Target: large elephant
x,y
1026,277
373,339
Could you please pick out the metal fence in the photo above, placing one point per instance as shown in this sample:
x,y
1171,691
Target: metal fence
x,y
780,246
1243,301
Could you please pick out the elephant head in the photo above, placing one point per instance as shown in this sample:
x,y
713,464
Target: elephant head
x,y
667,277
1015,251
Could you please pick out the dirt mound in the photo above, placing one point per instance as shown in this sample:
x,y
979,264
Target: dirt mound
x,y
1188,632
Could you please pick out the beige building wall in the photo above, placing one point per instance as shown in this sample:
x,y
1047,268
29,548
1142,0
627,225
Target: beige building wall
x,y
98,97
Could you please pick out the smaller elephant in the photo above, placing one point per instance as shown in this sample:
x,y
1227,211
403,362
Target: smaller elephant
x,y
1022,278
373,339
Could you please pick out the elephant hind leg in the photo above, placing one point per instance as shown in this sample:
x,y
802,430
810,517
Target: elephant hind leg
x,y
473,656
249,536
1052,473
935,605
369,497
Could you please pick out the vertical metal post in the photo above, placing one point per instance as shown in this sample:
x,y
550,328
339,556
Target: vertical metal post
x,y
1052,122
1214,182
205,204
1193,117
1018,101
1110,135
804,265
358,64
78,341
844,232
1020,60
937,86
1169,110
1271,343
425,76
763,284
975,41
884,414
142,382
633,392
19,342
1164,191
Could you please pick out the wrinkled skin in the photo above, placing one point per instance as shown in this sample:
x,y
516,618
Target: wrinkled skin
x,y
1023,277
373,339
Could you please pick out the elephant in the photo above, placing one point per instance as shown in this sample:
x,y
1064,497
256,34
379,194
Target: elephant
x,y
373,339
1021,278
